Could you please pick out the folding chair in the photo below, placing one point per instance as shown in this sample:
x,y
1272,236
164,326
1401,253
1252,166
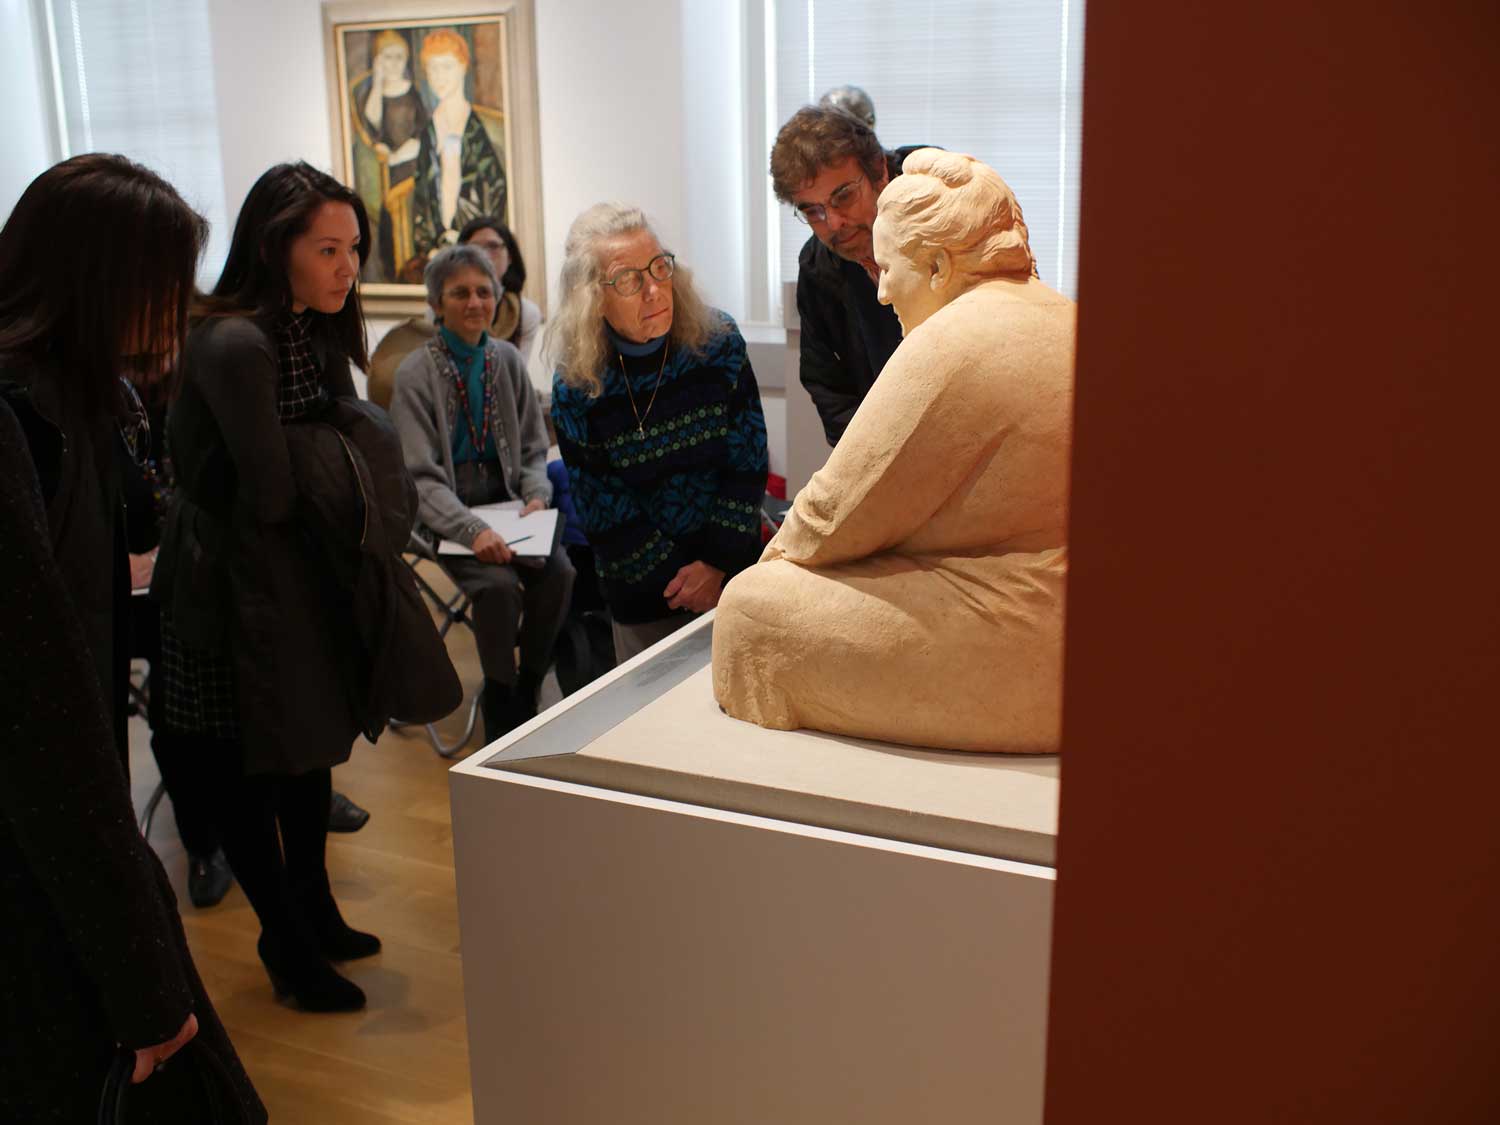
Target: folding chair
x,y
138,702
453,610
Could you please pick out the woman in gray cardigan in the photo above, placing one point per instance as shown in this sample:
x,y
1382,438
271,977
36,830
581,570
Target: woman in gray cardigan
x,y
472,432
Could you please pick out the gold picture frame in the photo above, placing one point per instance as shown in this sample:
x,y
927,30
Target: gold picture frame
x,y
434,115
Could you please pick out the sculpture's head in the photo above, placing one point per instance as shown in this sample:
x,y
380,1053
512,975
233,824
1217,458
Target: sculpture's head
x,y
945,224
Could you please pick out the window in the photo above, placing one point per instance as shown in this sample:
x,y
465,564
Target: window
x,y
137,79
999,79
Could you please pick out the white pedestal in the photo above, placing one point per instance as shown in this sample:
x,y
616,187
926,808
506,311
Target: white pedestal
x,y
630,957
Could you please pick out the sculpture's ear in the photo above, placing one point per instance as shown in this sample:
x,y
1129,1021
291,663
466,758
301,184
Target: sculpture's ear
x,y
941,268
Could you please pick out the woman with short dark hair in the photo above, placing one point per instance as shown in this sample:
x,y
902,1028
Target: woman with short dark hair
x,y
472,433
96,272
270,347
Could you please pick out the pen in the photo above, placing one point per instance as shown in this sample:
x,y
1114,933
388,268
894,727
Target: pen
x,y
522,539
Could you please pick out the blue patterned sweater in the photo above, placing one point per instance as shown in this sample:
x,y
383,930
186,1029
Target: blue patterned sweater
x,y
689,490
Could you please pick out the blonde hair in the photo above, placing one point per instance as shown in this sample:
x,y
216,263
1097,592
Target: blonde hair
x,y
445,41
576,340
953,201
389,38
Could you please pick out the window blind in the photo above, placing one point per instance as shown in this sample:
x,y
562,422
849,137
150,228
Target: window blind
x,y
135,77
999,79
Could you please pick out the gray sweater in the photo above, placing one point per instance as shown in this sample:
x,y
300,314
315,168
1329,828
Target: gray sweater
x,y
424,407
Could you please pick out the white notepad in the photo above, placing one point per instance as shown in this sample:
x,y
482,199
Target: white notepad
x,y
528,536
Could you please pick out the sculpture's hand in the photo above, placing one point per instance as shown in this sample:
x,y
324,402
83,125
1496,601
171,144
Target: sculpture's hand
x,y
695,588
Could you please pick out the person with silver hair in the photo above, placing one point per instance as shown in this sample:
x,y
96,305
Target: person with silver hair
x,y
852,100
659,421
472,431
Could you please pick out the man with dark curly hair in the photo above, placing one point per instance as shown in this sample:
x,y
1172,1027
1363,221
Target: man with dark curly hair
x,y
830,167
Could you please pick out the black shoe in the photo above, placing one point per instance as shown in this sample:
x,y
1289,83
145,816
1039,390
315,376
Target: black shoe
x,y
209,878
344,815
336,939
311,983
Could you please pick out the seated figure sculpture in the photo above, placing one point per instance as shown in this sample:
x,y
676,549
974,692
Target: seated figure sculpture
x,y
915,592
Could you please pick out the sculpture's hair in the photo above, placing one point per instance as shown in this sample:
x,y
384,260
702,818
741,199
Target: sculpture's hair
x,y
816,137
445,41
953,201
389,38
575,339
445,263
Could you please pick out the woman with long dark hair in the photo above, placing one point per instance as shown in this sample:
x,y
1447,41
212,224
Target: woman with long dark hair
x,y
96,273
254,628
517,318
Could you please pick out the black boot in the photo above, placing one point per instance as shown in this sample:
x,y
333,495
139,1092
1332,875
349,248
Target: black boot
x,y
336,939
500,704
528,683
311,982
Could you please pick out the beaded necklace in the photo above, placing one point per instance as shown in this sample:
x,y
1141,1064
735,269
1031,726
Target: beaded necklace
x,y
461,388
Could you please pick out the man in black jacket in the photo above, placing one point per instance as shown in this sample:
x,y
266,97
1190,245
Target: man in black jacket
x,y
831,168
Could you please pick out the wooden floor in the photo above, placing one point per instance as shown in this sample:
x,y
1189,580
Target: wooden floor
x,y
405,1058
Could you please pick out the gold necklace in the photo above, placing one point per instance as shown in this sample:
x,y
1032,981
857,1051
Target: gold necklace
x,y
640,419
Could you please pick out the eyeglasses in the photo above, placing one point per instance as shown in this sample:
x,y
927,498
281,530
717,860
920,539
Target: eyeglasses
x,y
463,293
844,197
628,283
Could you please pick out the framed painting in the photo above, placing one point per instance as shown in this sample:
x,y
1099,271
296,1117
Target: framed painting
x,y
435,123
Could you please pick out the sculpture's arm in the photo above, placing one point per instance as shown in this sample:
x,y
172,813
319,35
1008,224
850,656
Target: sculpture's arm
x,y
908,450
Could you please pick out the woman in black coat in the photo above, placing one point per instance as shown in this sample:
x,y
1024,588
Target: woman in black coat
x,y
96,270
255,640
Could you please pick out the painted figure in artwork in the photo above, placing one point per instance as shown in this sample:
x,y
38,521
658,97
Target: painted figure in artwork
x,y
392,117
459,174
915,592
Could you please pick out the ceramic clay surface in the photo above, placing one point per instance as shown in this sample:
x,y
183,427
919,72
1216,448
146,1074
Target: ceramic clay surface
x,y
915,592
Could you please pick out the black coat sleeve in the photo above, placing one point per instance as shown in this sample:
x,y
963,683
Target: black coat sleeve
x,y
234,368
64,801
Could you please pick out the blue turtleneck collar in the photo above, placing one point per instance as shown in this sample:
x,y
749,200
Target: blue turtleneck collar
x,y
463,351
630,347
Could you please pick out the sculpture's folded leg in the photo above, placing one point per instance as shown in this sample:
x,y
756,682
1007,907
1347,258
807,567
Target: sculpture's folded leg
x,y
961,653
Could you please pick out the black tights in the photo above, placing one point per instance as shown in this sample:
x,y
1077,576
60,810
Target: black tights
x,y
280,872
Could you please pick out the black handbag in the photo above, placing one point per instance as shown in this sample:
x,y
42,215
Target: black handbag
x,y
217,1103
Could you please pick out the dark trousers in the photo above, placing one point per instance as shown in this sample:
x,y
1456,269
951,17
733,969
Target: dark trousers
x,y
188,762
514,604
518,603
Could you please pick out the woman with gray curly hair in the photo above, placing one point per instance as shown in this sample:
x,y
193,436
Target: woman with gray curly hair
x,y
472,433
659,421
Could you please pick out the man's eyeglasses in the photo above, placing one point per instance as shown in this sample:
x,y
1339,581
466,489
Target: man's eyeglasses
x,y
628,283
463,293
844,197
